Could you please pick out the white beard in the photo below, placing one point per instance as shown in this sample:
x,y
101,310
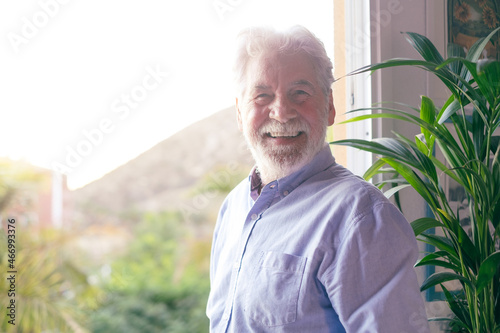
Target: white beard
x,y
277,162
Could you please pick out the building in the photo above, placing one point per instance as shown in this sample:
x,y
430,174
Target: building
x,y
34,196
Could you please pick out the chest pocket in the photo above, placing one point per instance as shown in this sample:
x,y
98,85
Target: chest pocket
x,y
274,290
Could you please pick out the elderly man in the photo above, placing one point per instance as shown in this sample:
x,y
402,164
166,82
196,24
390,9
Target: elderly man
x,y
303,245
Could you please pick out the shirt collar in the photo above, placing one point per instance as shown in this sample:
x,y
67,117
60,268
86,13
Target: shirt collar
x,y
255,183
322,161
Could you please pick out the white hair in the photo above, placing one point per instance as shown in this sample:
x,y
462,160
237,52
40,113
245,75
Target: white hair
x,y
255,41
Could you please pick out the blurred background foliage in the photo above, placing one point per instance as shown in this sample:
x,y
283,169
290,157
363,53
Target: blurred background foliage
x,y
158,283
48,287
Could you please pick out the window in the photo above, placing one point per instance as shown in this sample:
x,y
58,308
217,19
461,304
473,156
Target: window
x,y
351,51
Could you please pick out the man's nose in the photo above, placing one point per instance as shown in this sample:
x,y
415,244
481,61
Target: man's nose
x,y
282,110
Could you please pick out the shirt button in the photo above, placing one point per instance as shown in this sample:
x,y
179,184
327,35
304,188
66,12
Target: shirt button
x,y
254,217
285,193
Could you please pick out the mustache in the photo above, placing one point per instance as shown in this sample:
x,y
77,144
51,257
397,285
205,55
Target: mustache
x,y
274,126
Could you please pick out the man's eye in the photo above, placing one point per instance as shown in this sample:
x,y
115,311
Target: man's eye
x,y
262,98
300,95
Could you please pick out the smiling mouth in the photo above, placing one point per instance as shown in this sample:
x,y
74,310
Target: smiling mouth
x,y
276,135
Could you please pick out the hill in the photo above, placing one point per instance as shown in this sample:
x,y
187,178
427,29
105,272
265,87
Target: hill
x,y
164,177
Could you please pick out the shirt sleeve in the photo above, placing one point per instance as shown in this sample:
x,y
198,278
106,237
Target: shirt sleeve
x,y
215,244
372,284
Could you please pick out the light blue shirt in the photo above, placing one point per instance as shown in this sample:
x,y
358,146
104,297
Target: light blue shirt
x,y
320,250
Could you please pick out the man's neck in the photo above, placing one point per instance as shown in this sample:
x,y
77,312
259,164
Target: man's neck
x,y
269,175
264,180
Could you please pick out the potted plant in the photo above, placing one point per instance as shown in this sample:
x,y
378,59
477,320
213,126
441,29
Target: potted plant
x,y
471,150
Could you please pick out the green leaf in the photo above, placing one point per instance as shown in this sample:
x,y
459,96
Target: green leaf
x,y
454,50
469,250
370,146
458,308
488,79
423,162
495,219
399,149
397,180
373,170
389,113
389,193
477,48
424,46
440,242
487,270
427,111
440,263
480,189
386,147
440,319
420,142
425,223
495,144
478,135
461,85
375,115
414,180
483,66
441,277
395,62
437,255
447,112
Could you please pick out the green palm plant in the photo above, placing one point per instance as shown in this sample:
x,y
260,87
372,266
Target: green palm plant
x,y
470,146
43,284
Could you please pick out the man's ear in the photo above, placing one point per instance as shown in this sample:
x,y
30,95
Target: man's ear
x,y
331,109
238,116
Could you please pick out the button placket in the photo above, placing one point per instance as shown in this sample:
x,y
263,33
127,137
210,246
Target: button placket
x,y
256,210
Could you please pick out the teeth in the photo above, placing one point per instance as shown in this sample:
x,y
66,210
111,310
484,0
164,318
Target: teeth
x,y
284,135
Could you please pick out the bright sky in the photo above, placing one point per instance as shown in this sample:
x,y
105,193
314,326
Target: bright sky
x,y
88,85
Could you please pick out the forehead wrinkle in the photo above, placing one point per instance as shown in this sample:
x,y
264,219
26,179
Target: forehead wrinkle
x,y
264,70
259,73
